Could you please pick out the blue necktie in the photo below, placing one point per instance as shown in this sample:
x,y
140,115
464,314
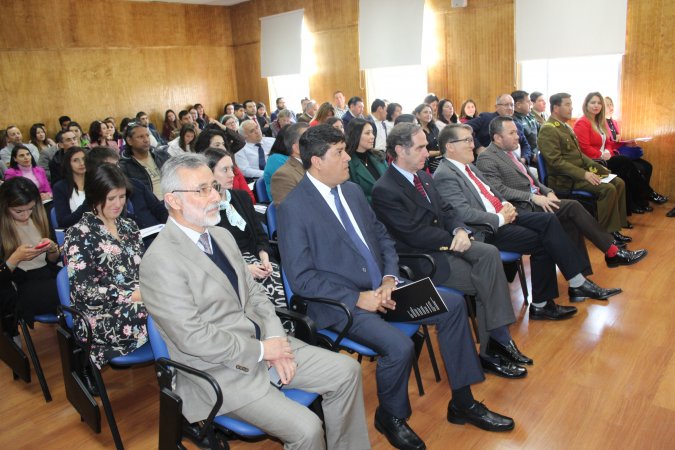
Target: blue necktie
x,y
371,264
261,157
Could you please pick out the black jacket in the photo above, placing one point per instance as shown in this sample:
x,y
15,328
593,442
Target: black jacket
x,y
135,170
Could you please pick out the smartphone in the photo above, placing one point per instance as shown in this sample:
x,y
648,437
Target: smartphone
x,y
42,245
275,379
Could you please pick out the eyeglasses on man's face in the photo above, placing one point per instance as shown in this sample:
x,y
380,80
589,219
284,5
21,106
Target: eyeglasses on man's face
x,y
202,191
465,140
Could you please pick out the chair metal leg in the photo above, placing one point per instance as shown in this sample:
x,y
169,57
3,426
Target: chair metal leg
x,y
36,361
12,354
107,407
418,342
523,280
432,354
470,302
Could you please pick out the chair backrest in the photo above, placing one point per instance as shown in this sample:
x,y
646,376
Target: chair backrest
x,y
287,288
156,341
272,221
59,233
541,165
63,289
261,191
52,218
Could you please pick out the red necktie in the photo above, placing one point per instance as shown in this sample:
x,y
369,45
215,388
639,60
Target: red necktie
x,y
520,167
419,187
483,190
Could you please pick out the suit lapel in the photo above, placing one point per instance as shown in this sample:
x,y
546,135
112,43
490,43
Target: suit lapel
x,y
409,190
501,154
468,187
189,250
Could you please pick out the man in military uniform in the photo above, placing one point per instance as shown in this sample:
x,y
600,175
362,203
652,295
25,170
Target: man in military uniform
x,y
522,115
568,168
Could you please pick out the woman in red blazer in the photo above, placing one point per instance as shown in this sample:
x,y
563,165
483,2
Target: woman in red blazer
x,y
592,134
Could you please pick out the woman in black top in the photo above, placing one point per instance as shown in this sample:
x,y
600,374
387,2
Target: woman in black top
x,y
425,117
239,218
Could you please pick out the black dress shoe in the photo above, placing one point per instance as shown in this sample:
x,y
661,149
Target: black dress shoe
x,y
509,351
87,377
637,210
478,415
671,213
658,198
503,368
591,290
619,244
648,208
629,226
397,431
618,237
552,311
625,257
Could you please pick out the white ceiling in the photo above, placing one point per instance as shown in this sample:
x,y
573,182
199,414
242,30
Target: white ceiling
x,y
196,2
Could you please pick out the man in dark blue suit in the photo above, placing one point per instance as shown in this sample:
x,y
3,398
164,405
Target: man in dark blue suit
x,y
334,247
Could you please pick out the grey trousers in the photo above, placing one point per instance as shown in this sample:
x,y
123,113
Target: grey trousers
x,y
337,378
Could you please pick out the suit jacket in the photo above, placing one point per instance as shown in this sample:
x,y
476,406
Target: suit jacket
x,y
320,259
505,177
417,225
457,190
481,128
38,172
562,154
285,179
359,173
204,323
590,141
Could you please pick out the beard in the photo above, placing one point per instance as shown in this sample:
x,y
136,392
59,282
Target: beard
x,y
207,217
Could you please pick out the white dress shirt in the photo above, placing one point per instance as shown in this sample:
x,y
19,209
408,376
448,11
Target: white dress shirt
x,y
382,133
247,157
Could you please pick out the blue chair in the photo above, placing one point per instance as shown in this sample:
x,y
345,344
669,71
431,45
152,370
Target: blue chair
x,y
171,417
586,198
338,340
75,360
261,191
272,221
58,232
517,259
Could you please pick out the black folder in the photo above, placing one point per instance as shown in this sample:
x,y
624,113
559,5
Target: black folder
x,y
415,301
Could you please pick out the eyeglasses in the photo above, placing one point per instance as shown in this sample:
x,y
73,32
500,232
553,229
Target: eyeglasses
x,y
203,191
465,140
508,105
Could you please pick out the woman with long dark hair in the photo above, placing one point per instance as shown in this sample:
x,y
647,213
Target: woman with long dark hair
x,y
104,253
100,136
366,165
22,164
69,191
27,256
171,124
446,114
424,115
468,111
38,137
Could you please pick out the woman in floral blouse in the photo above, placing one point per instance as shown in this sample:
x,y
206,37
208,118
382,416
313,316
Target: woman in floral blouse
x,y
104,253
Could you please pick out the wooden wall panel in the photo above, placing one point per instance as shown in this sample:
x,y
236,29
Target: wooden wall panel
x,y
102,57
478,60
335,32
648,98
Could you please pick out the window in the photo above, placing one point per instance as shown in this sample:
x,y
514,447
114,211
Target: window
x,y
576,76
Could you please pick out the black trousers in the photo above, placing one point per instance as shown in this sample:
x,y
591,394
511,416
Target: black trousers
x,y
636,173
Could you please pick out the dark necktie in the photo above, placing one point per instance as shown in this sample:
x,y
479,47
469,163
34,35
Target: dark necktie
x,y
419,187
371,264
261,157
483,190
384,126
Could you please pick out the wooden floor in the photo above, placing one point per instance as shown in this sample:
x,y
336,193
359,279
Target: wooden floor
x,y
603,380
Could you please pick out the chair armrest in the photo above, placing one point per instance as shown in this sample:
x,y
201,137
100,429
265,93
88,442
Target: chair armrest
x,y
341,306
76,314
423,256
165,365
305,329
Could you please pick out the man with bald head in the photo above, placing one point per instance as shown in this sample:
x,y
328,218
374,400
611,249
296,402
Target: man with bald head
x,y
252,158
481,128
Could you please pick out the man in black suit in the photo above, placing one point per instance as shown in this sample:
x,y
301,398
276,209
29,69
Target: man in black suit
x,y
355,105
333,247
406,201
540,235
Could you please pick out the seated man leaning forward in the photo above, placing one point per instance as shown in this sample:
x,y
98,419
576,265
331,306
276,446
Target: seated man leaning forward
x,y
334,247
215,317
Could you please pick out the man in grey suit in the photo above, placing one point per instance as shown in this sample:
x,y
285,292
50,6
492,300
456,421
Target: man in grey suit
x,y
513,180
215,317
540,235
333,247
